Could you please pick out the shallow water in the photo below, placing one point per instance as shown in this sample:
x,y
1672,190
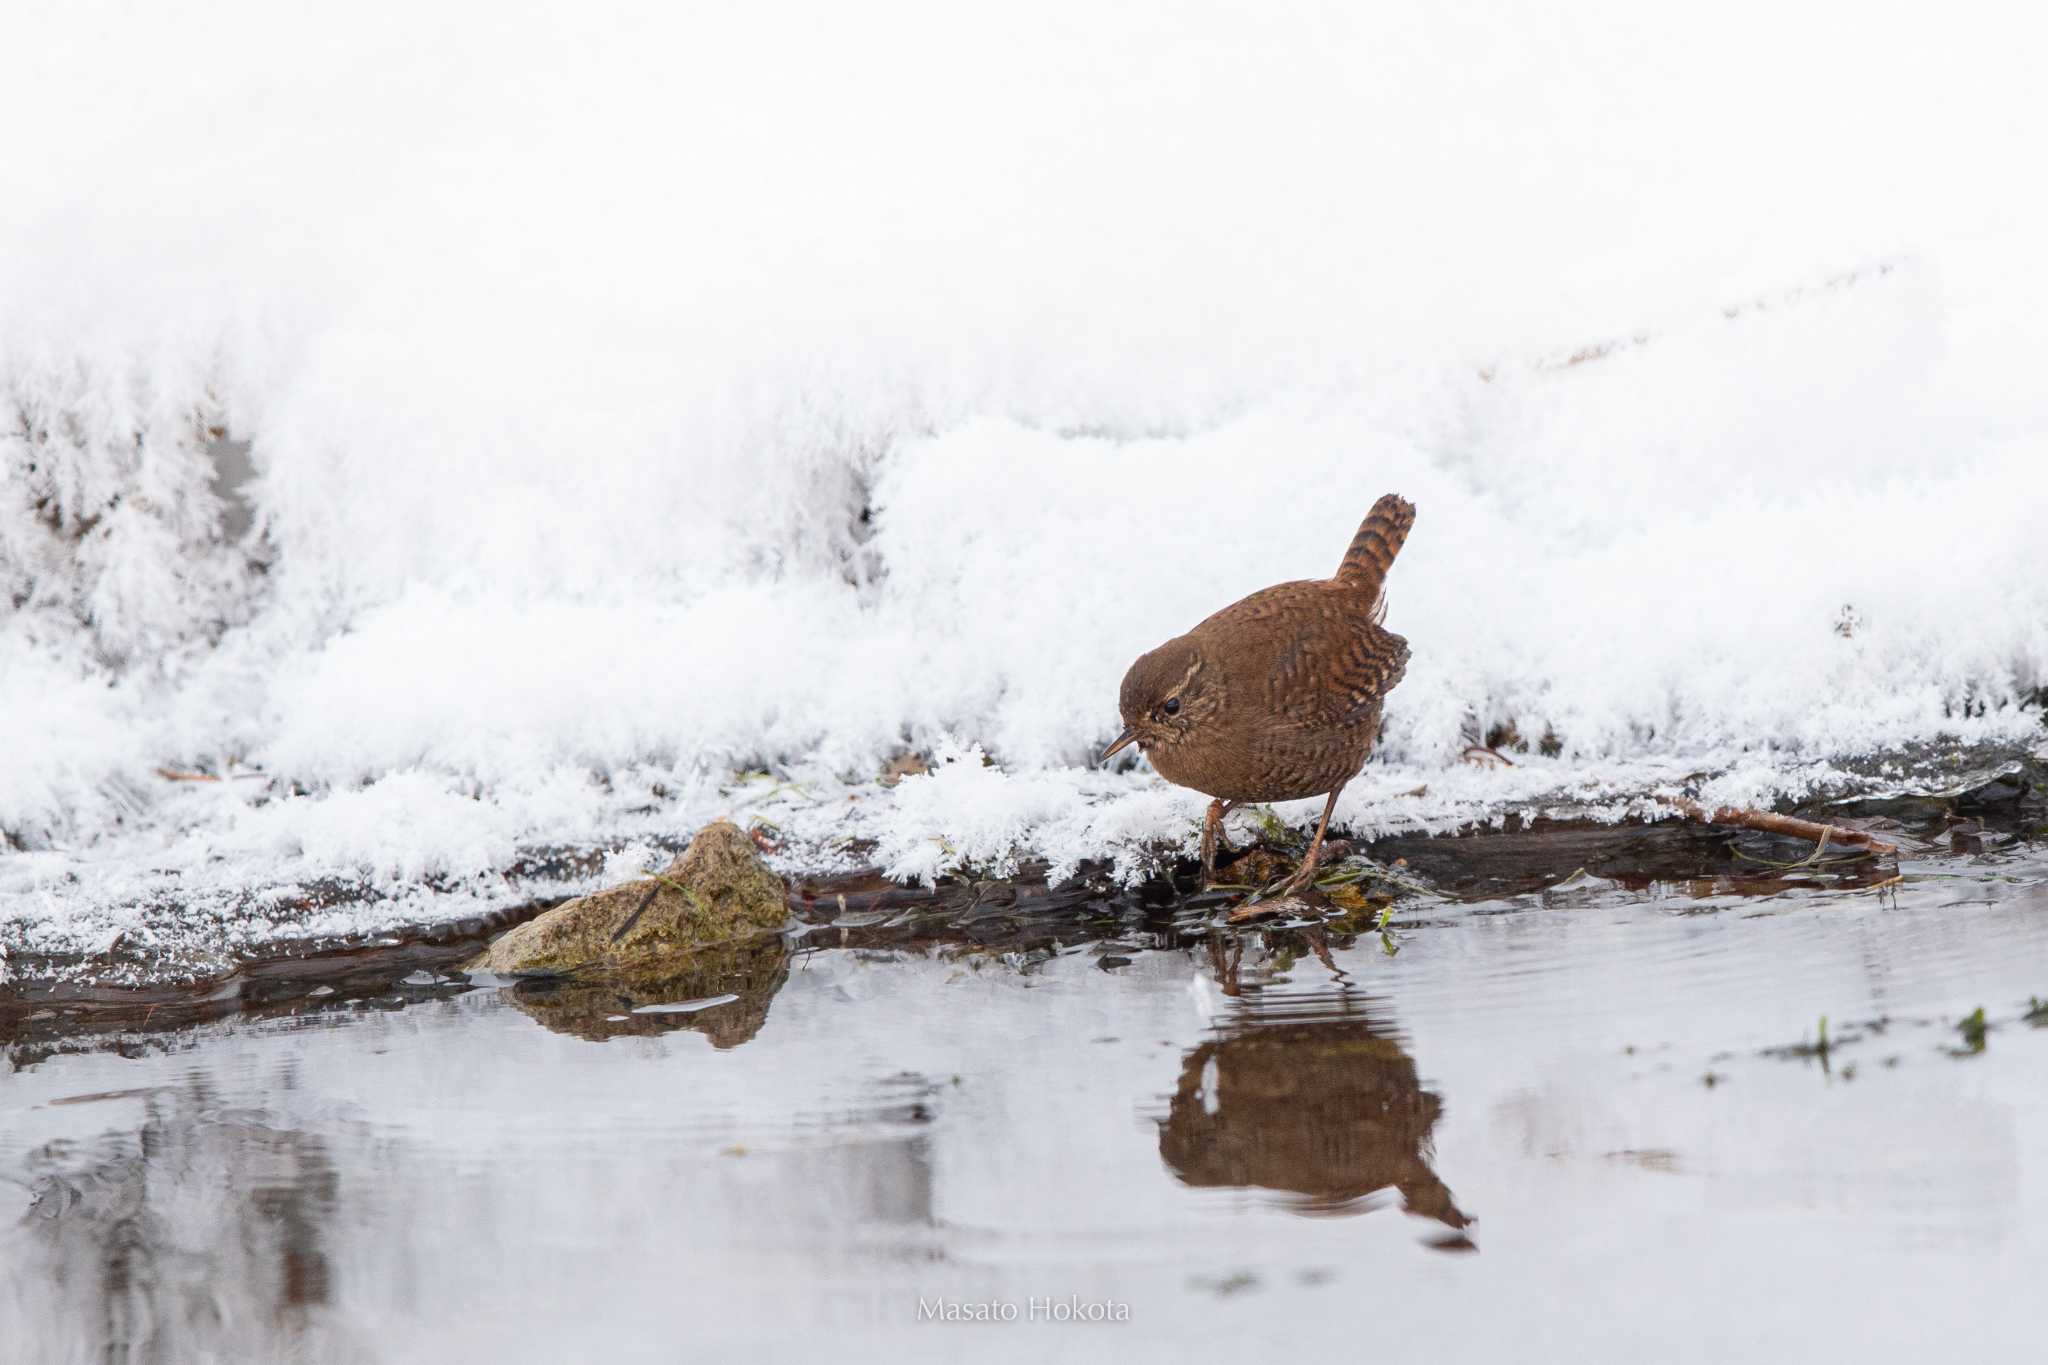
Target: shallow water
x,y
1578,1118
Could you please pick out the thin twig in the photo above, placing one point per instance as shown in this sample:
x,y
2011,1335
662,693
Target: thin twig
x,y
638,910
660,881
1771,822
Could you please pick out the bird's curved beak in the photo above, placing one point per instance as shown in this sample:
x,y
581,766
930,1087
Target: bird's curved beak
x,y
1121,740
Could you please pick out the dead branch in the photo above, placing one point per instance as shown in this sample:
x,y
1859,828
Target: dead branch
x,y
1772,823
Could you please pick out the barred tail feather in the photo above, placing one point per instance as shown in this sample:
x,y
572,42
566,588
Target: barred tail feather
x,y
1379,539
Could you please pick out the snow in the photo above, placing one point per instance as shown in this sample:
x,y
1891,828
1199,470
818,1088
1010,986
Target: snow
x,y
636,401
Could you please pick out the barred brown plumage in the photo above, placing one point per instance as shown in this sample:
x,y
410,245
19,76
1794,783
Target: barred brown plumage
x,y
1277,696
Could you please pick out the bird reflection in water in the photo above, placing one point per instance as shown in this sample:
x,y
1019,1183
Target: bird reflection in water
x,y
1309,1095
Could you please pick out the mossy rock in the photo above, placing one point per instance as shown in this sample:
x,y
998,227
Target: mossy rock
x,y
717,892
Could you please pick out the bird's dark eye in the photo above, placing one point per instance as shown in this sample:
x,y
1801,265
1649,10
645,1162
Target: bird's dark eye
x,y
1172,707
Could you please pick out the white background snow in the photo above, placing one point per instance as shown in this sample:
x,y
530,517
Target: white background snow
x,y
571,343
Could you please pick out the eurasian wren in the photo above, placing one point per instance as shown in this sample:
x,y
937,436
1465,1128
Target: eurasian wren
x,y
1278,696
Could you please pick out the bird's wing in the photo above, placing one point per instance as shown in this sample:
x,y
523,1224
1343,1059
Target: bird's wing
x,y
1327,664
1326,680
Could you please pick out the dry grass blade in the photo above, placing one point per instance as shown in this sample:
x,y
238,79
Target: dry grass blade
x,y
178,775
181,775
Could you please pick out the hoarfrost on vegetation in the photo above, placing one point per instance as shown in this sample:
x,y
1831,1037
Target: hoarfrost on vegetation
x,y
512,434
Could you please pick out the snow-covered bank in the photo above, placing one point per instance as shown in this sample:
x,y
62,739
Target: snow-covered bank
x,y
244,878
634,402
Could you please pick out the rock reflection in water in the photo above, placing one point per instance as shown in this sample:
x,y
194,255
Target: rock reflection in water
x,y
1329,1109
604,1007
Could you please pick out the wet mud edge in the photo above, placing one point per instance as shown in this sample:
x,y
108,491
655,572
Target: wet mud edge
x,y
1024,914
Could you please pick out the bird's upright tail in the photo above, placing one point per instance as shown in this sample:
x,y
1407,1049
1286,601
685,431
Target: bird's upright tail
x,y
1372,551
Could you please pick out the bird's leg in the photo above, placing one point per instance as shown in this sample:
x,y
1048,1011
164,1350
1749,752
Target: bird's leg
x,y
1307,870
1212,838
1227,966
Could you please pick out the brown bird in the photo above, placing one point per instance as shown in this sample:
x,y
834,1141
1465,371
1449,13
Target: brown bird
x,y
1278,696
